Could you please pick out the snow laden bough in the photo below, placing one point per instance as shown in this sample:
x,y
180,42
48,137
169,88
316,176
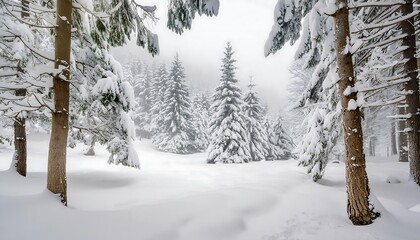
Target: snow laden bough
x,y
102,109
182,12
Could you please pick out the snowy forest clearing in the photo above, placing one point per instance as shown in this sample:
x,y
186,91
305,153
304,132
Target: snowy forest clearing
x,y
182,197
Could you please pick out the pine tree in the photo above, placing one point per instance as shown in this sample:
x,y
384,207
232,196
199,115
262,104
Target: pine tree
x,y
258,140
317,144
144,104
178,133
160,84
20,85
201,119
280,143
101,106
229,140
318,34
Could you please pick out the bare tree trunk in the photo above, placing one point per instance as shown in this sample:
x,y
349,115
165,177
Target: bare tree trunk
x,y
412,91
372,145
91,151
393,139
19,124
356,176
57,181
402,136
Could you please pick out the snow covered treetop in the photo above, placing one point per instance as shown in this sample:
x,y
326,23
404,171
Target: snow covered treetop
x,y
182,12
288,16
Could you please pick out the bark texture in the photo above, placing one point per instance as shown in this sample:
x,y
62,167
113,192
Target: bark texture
x,y
412,91
20,121
20,140
57,182
356,177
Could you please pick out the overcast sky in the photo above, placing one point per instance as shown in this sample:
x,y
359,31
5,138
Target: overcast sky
x,y
246,24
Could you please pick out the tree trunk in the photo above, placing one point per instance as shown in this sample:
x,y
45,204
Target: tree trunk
x,y
356,176
57,182
91,151
19,124
393,139
372,145
412,91
402,136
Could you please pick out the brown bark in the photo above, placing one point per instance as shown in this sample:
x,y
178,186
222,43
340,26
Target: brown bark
x,y
412,91
402,136
20,140
356,176
19,124
56,181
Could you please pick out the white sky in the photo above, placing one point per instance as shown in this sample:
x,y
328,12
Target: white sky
x,y
246,24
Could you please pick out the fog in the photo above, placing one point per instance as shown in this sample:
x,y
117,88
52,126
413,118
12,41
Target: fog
x,y
246,24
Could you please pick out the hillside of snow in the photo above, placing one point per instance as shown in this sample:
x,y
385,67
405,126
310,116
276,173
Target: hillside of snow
x,y
179,197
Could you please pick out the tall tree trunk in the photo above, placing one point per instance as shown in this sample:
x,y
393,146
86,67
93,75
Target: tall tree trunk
x,y
57,182
372,145
393,138
356,176
402,135
19,124
412,91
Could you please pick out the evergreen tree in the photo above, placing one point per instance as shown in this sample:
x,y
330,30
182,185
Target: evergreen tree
x,y
201,107
280,143
160,85
318,142
144,104
229,140
102,104
258,140
178,131
339,33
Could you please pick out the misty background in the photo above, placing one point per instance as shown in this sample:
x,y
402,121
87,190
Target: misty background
x,y
246,24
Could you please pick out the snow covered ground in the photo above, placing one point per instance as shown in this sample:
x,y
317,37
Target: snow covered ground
x,y
180,197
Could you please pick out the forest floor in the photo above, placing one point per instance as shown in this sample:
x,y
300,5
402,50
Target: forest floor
x,y
180,197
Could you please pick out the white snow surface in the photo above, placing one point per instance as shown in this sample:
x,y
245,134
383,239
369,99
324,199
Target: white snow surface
x,y
180,197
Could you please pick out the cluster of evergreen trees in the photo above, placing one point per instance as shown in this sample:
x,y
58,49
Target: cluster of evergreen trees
x,y
62,73
177,121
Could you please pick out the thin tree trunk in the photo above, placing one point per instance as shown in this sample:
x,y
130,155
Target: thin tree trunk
x,y
57,182
91,151
356,176
402,136
393,139
19,124
412,90
372,145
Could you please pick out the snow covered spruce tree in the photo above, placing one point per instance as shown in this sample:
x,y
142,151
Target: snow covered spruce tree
x,y
390,28
288,16
178,134
316,53
280,143
144,103
258,140
159,87
101,106
201,108
229,140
